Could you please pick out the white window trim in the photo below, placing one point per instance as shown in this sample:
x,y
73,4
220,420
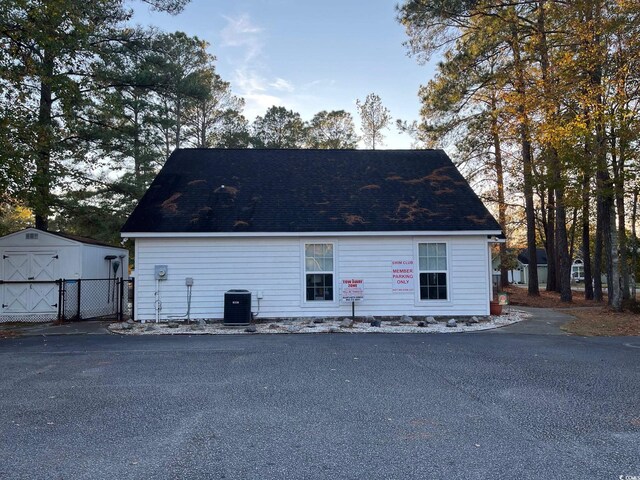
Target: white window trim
x,y
303,297
423,302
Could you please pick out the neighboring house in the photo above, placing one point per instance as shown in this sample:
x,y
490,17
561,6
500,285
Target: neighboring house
x,y
523,263
33,260
520,274
303,230
515,275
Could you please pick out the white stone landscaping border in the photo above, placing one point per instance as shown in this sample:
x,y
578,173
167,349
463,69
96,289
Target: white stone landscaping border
x,y
308,326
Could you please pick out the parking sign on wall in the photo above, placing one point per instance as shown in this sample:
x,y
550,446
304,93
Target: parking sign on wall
x,y
402,275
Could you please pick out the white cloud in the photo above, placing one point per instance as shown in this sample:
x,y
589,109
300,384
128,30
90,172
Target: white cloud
x,y
282,85
317,83
240,32
254,89
245,44
249,81
258,104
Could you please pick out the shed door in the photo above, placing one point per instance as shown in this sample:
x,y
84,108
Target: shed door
x,y
30,297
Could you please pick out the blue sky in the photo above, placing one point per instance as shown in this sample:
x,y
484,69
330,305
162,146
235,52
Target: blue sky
x,y
306,56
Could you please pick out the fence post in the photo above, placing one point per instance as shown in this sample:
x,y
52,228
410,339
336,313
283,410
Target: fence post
x,y
121,302
79,290
60,283
133,297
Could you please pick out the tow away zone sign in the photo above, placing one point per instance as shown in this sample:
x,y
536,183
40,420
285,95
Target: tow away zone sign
x,y
352,290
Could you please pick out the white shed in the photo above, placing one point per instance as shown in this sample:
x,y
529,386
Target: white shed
x,y
306,232
33,262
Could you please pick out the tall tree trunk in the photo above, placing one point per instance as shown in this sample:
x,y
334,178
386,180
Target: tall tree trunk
x,y
558,263
178,121
167,129
572,234
533,287
614,280
527,163
502,207
606,236
598,250
606,222
634,235
586,235
605,187
618,161
550,240
137,161
605,233
42,179
562,249
202,142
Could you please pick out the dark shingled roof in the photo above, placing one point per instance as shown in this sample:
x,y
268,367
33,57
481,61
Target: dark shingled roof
x,y
541,256
252,190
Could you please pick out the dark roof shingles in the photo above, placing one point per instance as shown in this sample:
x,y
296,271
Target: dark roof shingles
x,y
309,191
541,256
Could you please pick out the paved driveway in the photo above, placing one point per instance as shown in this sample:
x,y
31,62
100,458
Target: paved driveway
x,y
468,406
541,321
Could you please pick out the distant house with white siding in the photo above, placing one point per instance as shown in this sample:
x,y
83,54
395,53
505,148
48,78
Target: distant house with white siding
x,y
520,274
307,231
541,260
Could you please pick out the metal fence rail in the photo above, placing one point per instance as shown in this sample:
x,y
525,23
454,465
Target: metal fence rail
x,y
64,300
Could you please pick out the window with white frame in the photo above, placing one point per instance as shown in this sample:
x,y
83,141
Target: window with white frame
x,y
432,264
318,271
577,270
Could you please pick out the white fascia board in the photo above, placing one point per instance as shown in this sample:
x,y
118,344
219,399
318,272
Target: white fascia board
x,y
415,233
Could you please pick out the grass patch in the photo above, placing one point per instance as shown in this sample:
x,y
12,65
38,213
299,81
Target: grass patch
x,y
592,318
602,322
519,296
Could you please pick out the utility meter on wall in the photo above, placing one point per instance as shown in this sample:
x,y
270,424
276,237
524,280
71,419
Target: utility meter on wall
x,y
161,272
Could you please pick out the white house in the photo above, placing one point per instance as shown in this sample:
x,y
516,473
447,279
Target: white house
x,y
577,270
308,231
520,274
33,260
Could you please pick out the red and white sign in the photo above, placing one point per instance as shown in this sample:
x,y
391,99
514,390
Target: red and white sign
x,y
402,275
352,289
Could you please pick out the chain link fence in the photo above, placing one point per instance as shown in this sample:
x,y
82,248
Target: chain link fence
x,y
67,300
96,298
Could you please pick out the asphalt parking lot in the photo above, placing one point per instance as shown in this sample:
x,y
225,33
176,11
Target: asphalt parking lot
x,y
333,406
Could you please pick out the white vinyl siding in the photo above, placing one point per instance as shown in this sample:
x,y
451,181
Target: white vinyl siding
x,y
275,267
94,264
